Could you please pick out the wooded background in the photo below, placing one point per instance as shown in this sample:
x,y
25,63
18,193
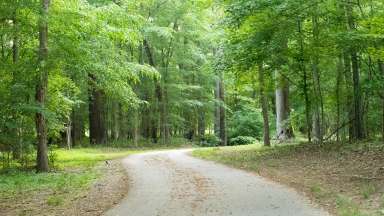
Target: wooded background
x,y
103,72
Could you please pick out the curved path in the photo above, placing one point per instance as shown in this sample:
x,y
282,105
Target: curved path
x,y
172,183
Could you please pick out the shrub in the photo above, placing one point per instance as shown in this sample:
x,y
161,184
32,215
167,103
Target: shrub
x,y
245,122
209,140
242,140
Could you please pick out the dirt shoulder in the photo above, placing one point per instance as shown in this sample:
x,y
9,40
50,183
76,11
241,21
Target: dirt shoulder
x,y
108,188
346,180
102,195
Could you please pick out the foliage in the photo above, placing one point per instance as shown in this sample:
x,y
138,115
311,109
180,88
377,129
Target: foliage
x,y
209,140
245,122
242,140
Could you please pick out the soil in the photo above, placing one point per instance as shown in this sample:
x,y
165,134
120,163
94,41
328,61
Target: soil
x,y
326,174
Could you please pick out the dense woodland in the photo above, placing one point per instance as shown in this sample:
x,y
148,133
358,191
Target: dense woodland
x,y
103,72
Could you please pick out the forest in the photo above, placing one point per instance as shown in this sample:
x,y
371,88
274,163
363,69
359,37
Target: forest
x,y
161,73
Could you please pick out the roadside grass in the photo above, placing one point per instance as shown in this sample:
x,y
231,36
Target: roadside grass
x,y
344,178
88,157
74,171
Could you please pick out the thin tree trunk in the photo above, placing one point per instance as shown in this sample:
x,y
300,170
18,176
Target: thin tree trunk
x,y
16,152
349,96
338,96
223,129
264,105
115,120
217,108
68,134
41,90
136,127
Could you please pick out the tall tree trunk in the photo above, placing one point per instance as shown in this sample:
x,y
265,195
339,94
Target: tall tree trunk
x,y
97,129
264,105
217,108
318,114
283,126
136,127
78,130
17,149
305,80
381,69
357,104
358,123
68,134
349,96
41,90
201,123
338,96
223,126
158,93
115,120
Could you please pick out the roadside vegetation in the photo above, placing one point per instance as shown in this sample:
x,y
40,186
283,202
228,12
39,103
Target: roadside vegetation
x,y
346,179
73,173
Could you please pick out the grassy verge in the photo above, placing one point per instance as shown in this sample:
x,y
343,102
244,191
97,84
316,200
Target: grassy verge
x,y
346,179
75,171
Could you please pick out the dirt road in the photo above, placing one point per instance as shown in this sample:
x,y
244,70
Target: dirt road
x,y
172,183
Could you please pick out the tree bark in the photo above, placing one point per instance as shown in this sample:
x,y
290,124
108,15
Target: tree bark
x,y
41,90
381,69
305,81
158,93
283,126
349,96
97,129
115,120
201,123
223,126
358,132
17,149
217,108
338,96
264,106
78,129
318,114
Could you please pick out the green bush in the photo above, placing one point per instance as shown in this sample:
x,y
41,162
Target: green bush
x,y
245,122
242,140
209,140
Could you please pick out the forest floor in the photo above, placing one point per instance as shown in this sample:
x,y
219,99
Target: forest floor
x,y
346,179
82,184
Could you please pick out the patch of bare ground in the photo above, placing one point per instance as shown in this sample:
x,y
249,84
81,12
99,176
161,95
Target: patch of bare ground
x,y
346,181
94,200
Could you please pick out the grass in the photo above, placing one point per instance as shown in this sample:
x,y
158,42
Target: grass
x,y
338,176
88,157
75,171
346,207
367,189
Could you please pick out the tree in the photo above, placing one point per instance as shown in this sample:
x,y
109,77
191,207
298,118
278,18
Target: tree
x,y
41,89
264,105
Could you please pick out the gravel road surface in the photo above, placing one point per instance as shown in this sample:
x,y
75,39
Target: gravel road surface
x,y
172,183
